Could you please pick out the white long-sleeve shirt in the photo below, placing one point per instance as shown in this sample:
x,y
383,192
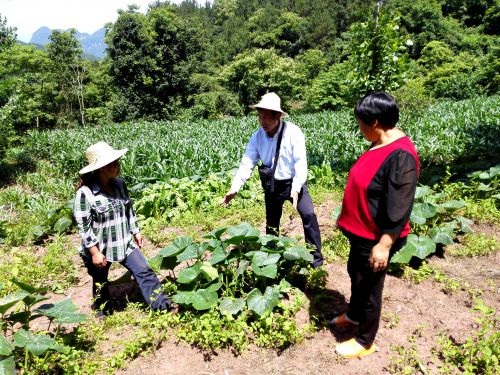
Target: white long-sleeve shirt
x,y
292,162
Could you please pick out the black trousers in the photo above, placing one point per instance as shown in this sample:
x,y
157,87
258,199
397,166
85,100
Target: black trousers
x,y
305,206
365,305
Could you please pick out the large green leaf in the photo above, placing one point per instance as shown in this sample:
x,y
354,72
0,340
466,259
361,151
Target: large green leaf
x,y
443,235
404,254
188,275
208,271
183,298
242,267
269,271
11,299
422,211
216,233
452,205
176,247
158,263
465,224
242,232
62,224
8,366
298,252
424,245
64,311
232,305
262,303
193,251
204,299
37,344
422,191
268,240
29,288
218,255
5,346
262,259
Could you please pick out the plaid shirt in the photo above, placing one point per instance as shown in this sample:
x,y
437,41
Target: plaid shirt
x,y
106,221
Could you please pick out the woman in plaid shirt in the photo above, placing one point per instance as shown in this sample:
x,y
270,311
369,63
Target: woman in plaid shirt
x,y
109,231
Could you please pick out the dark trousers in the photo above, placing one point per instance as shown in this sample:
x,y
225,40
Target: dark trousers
x,y
144,276
274,209
365,305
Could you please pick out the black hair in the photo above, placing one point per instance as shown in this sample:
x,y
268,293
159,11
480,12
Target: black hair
x,y
88,179
378,106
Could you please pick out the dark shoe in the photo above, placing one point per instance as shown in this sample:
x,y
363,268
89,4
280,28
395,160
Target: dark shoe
x,y
342,321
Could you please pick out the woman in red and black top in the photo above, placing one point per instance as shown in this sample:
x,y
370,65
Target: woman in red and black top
x,y
377,204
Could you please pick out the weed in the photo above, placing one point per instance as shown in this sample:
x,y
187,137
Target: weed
x,y
391,319
407,361
475,245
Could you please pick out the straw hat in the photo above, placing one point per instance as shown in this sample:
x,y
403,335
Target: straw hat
x,y
270,101
100,154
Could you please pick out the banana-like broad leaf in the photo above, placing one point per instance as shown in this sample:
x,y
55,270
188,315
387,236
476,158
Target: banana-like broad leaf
x,y
442,235
188,275
404,254
5,346
204,299
269,271
8,366
298,252
11,299
64,311
452,205
37,344
208,271
262,259
232,305
262,303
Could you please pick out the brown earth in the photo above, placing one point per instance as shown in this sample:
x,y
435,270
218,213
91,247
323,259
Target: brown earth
x,y
414,316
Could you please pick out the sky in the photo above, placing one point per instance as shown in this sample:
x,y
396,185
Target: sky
x,y
86,16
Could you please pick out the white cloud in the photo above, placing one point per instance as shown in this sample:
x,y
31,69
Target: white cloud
x,y
84,15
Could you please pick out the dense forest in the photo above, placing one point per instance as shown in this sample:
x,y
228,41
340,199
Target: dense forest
x,y
193,61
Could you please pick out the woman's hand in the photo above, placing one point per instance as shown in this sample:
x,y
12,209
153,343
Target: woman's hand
x,y
139,240
379,257
99,260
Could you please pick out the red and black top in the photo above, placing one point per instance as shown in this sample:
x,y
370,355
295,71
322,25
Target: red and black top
x,y
380,190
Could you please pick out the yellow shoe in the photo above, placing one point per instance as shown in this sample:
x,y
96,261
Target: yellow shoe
x,y
351,349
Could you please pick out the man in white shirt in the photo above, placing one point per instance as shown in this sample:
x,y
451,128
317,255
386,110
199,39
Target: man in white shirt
x,y
290,172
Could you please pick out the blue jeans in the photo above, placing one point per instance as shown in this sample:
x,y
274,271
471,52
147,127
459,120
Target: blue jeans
x,y
144,276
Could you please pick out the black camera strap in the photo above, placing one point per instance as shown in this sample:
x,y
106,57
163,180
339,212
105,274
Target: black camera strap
x,y
277,154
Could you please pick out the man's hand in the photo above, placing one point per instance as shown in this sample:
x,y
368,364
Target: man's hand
x,y
295,198
379,257
139,240
227,198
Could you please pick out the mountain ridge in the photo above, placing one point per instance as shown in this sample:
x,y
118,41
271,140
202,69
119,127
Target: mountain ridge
x,y
92,44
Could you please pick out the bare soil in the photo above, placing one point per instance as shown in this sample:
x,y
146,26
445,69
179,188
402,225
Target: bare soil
x,y
414,316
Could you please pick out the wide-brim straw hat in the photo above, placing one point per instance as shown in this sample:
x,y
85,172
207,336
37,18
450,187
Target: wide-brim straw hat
x,y
99,155
270,101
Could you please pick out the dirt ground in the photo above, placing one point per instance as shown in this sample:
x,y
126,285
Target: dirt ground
x,y
414,316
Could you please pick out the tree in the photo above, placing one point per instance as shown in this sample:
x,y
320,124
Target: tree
x,y
7,34
69,72
256,72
